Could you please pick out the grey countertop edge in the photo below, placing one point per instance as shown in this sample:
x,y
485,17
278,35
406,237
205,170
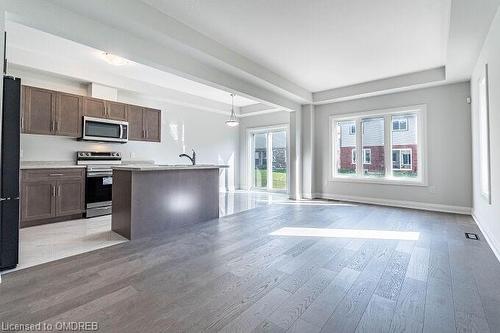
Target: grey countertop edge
x,y
168,168
49,165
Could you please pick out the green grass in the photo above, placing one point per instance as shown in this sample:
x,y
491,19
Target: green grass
x,y
279,178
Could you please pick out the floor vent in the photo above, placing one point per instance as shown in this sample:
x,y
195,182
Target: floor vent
x,y
472,236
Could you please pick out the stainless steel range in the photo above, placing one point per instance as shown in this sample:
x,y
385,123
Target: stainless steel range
x,y
99,181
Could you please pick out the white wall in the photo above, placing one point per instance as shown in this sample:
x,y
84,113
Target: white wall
x,y
262,120
183,129
448,151
488,216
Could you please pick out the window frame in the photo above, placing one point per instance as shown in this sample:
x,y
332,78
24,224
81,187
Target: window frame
x,y
422,179
353,156
484,137
351,132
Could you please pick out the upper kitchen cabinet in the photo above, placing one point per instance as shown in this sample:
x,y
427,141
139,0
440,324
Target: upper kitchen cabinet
x,y
144,124
135,123
93,107
152,124
116,111
69,110
38,111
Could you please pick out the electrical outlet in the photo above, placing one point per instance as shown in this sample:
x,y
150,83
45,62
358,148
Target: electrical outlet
x,y
432,189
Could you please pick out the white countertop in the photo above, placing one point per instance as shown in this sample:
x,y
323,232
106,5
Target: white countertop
x,y
159,167
49,165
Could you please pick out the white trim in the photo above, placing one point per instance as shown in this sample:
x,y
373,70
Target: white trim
x,y
397,203
353,156
491,241
420,110
485,192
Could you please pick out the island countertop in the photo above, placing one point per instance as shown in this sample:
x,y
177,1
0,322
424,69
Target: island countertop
x,y
160,167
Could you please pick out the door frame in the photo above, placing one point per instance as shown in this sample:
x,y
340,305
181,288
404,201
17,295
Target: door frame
x,y
250,161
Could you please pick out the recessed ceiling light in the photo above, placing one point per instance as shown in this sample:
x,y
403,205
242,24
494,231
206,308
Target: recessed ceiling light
x,y
114,59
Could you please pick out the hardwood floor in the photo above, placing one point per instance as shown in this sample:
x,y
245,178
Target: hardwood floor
x,y
231,275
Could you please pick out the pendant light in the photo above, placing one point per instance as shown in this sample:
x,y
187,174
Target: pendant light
x,y
232,121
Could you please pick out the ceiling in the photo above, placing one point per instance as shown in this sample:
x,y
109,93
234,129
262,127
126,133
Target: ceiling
x,y
33,48
324,44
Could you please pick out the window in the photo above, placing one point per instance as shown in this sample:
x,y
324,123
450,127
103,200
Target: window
x,y
373,141
367,156
391,142
352,129
484,137
401,159
400,124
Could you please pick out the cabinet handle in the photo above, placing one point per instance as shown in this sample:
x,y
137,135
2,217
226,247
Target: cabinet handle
x,y
22,122
144,133
59,191
52,126
57,126
56,174
53,191
147,133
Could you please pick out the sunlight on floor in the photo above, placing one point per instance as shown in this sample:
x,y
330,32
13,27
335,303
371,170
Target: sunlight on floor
x,y
314,203
347,233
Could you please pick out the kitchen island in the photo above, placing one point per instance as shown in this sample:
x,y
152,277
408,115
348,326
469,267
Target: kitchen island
x,y
151,199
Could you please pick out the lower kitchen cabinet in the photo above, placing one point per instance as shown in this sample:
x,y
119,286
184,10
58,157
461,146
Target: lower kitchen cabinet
x,y
51,195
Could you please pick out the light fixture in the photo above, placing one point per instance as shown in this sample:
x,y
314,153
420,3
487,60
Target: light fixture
x,y
114,59
232,121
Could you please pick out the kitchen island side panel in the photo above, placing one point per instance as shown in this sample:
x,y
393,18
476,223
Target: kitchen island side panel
x,y
122,203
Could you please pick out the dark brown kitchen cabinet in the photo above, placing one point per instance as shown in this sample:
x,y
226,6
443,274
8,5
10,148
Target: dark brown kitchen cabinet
x,y
152,124
135,123
50,112
69,110
57,113
70,196
144,124
38,111
116,111
37,201
93,107
51,195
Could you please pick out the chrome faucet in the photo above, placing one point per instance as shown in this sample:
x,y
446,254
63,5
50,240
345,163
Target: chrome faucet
x,y
192,159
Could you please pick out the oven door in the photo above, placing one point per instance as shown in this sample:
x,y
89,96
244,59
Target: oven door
x,y
96,129
98,189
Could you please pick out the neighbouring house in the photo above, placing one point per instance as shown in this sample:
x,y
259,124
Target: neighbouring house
x,y
404,146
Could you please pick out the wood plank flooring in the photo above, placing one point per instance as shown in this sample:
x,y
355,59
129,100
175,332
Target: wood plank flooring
x,y
231,275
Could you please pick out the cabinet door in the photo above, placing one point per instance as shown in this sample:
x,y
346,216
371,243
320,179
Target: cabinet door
x,y
116,111
39,111
93,107
70,197
37,200
69,115
152,124
135,123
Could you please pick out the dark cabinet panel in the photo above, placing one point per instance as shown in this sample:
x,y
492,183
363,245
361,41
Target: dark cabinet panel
x,y
93,107
70,197
116,111
152,124
135,123
37,200
69,111
39,105
49,195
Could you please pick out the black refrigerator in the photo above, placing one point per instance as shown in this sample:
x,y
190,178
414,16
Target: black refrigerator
x,y
9,173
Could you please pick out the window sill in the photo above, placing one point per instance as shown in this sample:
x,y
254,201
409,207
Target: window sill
x,y
381,181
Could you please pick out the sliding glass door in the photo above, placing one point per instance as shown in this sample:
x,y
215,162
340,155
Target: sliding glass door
x,y
269,159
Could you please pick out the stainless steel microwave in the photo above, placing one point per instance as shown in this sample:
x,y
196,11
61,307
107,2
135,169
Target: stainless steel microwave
x,y
98,129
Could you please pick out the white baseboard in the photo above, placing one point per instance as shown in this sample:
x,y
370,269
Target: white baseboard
x,y
397,203
490,240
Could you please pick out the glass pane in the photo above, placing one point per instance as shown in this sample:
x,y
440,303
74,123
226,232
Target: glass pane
x,y
346,147
404,146
373,147
279,160
260,157
104,130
